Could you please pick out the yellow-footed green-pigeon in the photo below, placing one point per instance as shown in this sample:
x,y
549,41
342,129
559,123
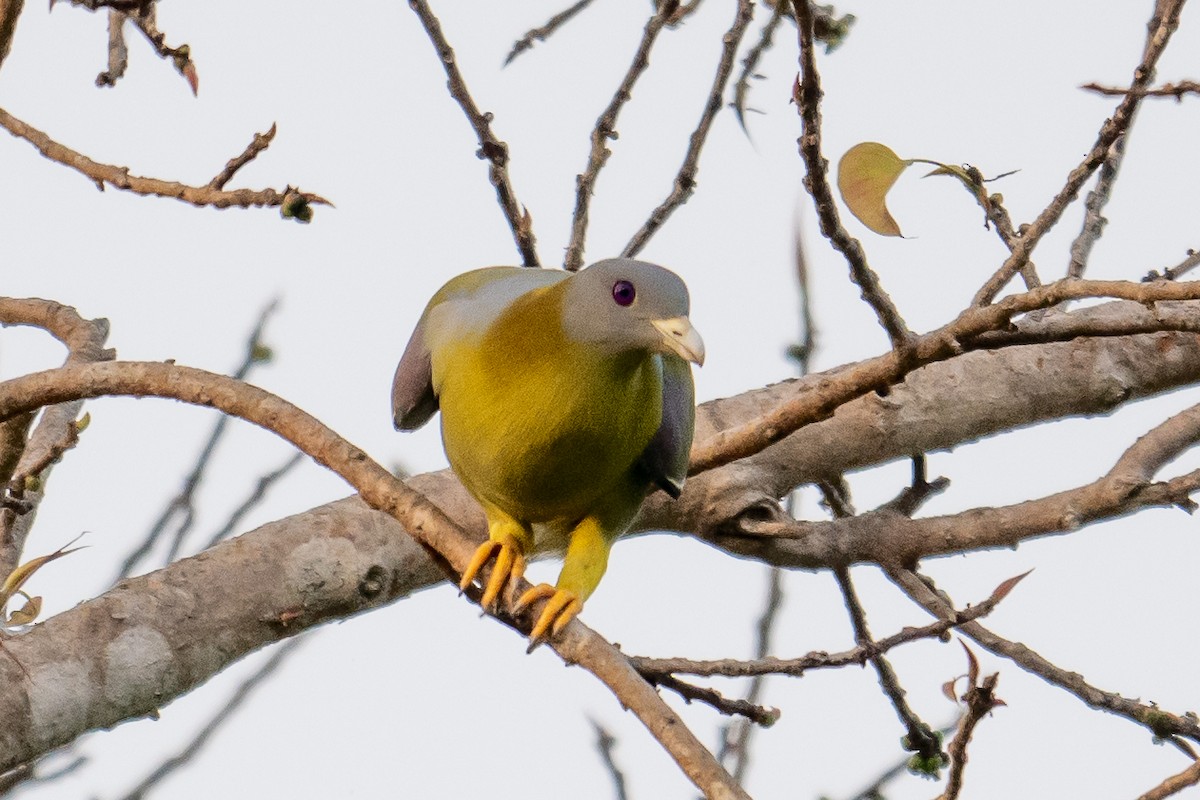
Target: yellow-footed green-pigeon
x,y
565,399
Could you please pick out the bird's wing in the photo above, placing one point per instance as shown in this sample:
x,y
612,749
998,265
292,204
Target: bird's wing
x,y
464,307
666,457
413,400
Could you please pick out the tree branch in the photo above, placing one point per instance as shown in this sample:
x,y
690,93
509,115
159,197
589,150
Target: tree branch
x,y
10,11
84,340
685,179
543,32
292,202
816,181
1165,21
1161,723
947,342
1177,89
490,148
605,129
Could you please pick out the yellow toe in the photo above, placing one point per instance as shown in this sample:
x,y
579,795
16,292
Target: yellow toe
x,y
483,554
510,564
562,606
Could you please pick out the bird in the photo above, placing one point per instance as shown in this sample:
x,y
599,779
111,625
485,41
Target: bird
x,y
565,399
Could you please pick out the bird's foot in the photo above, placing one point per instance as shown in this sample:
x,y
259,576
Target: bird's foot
x,y
562,607
510,565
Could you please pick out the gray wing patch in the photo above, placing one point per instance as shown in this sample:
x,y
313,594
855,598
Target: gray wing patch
x,y
666,457
413,400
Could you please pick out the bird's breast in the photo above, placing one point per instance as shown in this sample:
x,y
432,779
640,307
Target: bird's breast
x,y
544,432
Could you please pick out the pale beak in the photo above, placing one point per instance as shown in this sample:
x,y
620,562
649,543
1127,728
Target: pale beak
x,y
681,338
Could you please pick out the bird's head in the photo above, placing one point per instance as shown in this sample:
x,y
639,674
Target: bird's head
x,y
622,304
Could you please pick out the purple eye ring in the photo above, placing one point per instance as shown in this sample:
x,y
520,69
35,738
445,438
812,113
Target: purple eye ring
x,y
623,293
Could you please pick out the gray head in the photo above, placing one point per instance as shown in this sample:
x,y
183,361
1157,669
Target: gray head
x,y
624,304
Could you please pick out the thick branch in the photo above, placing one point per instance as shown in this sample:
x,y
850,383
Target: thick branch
x,y
944,343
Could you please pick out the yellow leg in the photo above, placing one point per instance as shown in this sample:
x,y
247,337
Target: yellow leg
x,y
507,543
583,567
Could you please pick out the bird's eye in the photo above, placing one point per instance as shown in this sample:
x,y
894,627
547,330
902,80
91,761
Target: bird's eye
x,y
623,293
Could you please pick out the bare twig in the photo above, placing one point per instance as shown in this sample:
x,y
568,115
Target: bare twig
x,y
605,742
118,52
980,699
1165,22
144,15
490,148
10,11
1176,272
766,37
292,202
819,659
259,143
1162,724
1175,784
244,690
685,179
816,181
1093,217
732,707
540,34
919,738
1177,89
874,789
604,130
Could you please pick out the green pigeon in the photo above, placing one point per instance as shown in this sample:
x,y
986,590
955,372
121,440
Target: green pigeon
x,y
565,399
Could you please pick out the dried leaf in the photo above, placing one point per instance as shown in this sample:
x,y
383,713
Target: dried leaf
x,y
16,578
26,613
948,690
972,665
1001,591
189,74
865,174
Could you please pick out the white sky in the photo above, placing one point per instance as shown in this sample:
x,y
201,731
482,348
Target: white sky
x,y
425,699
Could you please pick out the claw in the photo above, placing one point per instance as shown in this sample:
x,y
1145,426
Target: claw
x,y
482,555
510,564
562,607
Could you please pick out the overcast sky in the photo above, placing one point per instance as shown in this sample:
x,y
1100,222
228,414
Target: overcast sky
x,y
426,699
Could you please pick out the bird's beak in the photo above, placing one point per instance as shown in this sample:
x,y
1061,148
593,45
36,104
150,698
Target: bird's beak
x,y
681,338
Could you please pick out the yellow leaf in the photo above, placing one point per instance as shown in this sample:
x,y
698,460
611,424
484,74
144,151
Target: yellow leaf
x,y
865,174
26,613
16,578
